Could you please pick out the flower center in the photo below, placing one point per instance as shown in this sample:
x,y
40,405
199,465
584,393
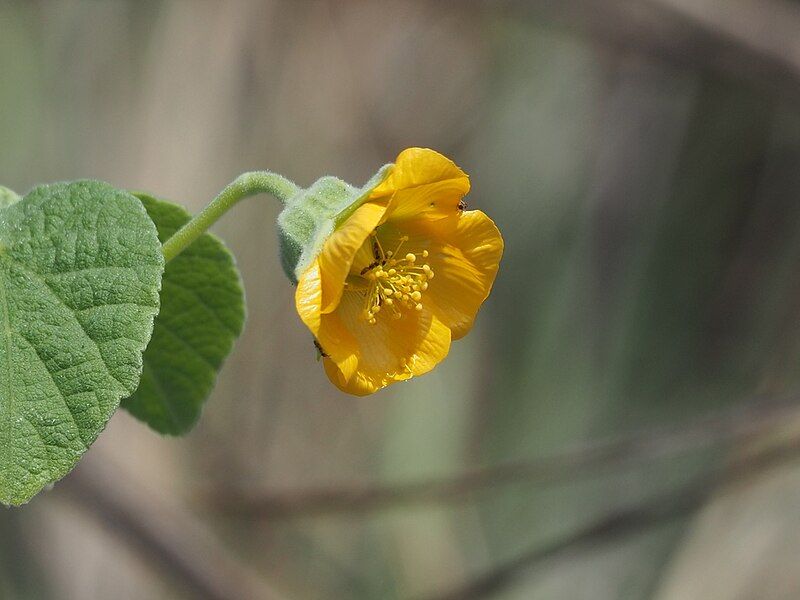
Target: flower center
x,y
394,281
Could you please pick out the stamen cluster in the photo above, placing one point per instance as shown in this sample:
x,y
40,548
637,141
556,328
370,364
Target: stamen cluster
x,y
392,282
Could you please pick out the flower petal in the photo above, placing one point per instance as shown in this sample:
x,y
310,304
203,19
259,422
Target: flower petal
x,y
357,383
340,249
328,329
423,184
390,350
464,253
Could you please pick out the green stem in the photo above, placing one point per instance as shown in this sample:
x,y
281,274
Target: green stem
x,y
247,184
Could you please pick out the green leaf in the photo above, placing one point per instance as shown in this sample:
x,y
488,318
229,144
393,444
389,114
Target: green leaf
x,y
80,270
202,314
7,197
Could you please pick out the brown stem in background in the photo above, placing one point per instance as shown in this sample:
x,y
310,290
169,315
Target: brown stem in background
x,y
727,426
627,521
169,540
756,41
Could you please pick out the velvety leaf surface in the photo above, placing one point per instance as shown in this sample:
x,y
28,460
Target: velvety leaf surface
x,y
80,270
7,197
202,314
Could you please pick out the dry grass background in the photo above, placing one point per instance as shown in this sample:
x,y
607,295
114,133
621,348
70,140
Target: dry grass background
x,y
640,158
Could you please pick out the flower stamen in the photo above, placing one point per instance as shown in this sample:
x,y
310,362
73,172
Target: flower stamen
x,y
394,282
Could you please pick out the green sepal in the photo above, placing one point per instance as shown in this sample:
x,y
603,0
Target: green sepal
x,y
310,216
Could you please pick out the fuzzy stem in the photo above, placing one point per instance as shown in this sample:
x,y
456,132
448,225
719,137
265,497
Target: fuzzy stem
x,y
247,184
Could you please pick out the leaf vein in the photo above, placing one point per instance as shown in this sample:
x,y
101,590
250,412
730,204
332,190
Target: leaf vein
x,y
203,303
38,277
61,393
186,344
160,389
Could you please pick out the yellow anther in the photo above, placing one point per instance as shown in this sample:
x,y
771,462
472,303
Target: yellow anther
x,y
396,284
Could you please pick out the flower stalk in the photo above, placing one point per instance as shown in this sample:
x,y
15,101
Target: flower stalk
x,y
244,186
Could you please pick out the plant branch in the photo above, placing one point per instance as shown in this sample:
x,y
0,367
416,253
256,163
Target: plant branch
x,y
730,425
168,539
754,41
627,521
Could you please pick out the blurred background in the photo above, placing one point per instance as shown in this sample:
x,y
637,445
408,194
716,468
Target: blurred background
x,y
620,424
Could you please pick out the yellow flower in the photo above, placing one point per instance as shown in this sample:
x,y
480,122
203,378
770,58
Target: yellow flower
x,y
403,275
